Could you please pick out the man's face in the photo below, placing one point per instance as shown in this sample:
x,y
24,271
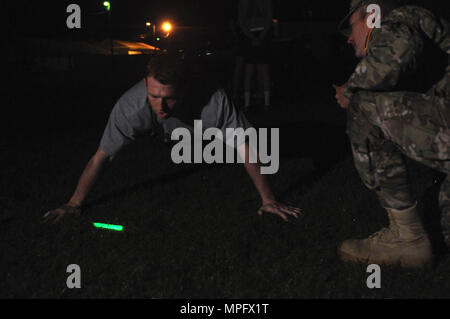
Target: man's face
x,y
358,35
162,97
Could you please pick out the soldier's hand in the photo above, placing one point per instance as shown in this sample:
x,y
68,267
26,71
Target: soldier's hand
x,y
280,209
55,215
341,99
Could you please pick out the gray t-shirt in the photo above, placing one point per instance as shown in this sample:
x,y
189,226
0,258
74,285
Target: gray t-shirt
x,y
132,117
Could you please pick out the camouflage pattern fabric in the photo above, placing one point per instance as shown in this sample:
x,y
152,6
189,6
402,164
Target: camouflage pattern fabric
x,y
389,116
383,127
393,61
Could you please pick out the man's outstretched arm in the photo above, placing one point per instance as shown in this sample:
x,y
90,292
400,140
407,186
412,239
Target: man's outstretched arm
x,y
85,183
269,203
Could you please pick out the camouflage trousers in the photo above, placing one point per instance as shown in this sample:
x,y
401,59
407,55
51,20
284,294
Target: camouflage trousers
x,y
383,127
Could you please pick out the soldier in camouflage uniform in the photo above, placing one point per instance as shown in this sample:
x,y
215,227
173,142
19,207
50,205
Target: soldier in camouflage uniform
x,y
397,105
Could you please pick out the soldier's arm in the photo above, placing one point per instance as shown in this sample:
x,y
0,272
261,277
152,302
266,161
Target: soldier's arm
x,y
437,30
392,51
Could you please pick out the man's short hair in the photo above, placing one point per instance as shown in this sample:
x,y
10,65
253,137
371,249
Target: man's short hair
x,y
168,69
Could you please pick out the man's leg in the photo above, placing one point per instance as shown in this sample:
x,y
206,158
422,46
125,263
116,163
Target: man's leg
x,y
420,126
237,78
380,164
265,78
248,84
382,168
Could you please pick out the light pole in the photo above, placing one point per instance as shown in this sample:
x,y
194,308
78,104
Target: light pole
x,y
107,6
153,26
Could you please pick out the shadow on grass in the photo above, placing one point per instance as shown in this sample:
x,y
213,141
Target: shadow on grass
x,y
309,140
148,184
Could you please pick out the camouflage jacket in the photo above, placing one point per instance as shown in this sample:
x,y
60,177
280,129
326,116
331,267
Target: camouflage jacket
x,y
410,52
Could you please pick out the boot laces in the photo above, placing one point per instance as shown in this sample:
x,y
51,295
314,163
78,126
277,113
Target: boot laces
x,y
383,232
389,231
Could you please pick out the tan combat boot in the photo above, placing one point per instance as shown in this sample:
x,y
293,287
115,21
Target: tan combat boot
x,y
404,243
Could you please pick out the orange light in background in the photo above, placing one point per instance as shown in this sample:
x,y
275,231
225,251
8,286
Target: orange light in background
x,y
130,52
167,26
148,24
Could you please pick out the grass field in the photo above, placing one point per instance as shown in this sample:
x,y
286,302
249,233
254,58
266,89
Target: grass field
x,y
191,231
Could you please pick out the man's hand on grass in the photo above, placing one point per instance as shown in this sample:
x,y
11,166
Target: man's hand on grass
x,y
55,215
280,209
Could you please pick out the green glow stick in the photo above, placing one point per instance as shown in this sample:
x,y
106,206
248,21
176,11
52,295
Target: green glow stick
x,y
109,226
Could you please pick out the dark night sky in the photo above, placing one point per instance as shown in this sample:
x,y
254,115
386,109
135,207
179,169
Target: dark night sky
x,y
34,17
41,15
31,18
